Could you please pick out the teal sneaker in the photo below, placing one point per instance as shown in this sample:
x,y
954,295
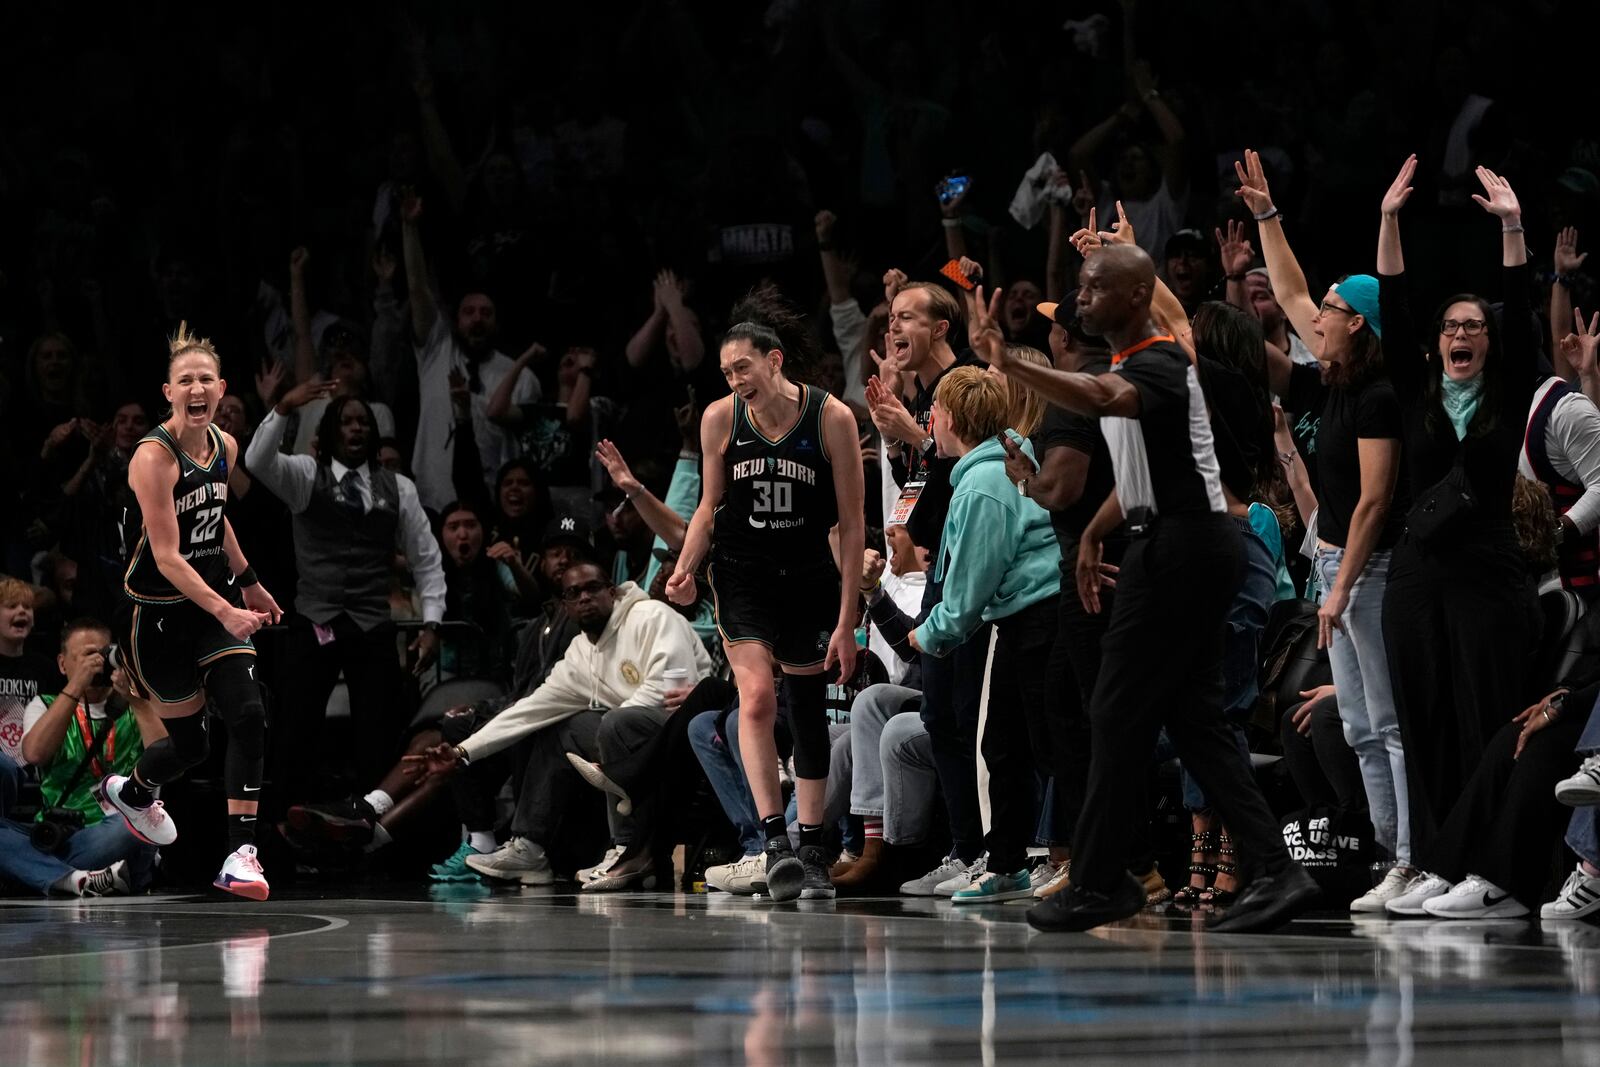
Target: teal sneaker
x,y
455,868
994,887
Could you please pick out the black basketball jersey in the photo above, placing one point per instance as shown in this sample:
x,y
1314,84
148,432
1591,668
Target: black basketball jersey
x,y
198,497
778,499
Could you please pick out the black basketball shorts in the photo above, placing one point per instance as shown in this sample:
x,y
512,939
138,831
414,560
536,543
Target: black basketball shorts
x,y
791,610
167,648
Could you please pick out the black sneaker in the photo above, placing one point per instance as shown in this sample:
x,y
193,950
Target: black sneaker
x,y
1077,908
817,885
1269,902
786,875
345,822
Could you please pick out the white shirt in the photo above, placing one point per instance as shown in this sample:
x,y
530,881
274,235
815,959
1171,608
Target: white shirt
x,y
36,709
1154,220
291,479
1572,443
435,448
1299,353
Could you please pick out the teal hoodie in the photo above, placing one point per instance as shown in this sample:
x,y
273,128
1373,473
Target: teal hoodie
x,y
999,553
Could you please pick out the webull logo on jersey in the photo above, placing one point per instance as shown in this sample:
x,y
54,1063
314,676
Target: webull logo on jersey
x,y
208,493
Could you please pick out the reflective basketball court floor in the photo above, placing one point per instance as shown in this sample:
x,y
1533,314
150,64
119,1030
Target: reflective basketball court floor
x,y
470,977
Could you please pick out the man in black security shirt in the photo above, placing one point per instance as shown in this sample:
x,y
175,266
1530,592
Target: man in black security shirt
x,y
1162,652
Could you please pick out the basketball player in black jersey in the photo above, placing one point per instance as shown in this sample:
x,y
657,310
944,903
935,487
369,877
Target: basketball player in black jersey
x,y
192,603
782,467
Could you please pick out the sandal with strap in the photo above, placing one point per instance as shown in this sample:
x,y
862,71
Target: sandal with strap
x,y
1191,895
1226,868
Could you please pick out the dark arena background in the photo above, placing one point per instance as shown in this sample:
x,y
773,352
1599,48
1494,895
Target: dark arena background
x,y
466,287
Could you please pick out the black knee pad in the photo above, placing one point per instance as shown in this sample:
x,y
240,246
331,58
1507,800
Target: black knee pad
x,y
233,690
187,743
808,722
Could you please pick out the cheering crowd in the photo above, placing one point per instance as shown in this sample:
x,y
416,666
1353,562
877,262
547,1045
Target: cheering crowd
x,y
1148,517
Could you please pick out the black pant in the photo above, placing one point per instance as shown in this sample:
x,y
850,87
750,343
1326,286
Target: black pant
x,y
549,781
1322,763
1017,733
1161,665
373,677
952,693
1508,818
1460,624
1074,669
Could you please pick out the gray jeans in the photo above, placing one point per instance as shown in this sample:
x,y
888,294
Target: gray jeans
x,y
893,773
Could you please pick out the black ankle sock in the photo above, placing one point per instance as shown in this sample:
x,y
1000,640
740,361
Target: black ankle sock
x,y
136,794
775,826
241,831
810,835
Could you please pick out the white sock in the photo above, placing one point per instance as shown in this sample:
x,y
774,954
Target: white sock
x,y
380,801
71,882
481,840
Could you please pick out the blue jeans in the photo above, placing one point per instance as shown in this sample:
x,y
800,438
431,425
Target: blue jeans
x,y
1241,657
1583,831
10,783
1360,663
718,755
90,849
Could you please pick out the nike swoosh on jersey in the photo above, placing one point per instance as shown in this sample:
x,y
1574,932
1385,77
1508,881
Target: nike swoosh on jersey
x,y
741,444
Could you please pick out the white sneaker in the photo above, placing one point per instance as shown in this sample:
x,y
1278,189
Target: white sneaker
x,y
1424,887
1583,788
1394,883
1049,878
518,860
151,825
965,878
745,877
1580,896
928,885
99,883
588,874
1475,897
241,874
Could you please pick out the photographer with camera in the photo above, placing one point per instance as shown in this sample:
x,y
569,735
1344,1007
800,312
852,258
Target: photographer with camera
x,y
75,738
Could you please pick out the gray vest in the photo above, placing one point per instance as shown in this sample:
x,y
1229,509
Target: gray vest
x,y
344,559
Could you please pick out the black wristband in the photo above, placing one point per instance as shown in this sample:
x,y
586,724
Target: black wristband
x,y
1234,277
246,578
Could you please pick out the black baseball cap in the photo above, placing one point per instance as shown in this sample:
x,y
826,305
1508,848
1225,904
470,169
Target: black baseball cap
x,y
568,529
1064,313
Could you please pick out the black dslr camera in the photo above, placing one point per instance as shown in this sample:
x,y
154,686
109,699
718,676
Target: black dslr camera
x,y
113,658
55,828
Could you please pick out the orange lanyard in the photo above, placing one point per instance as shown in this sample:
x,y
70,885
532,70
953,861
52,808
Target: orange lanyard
x,y
87,733
1140,347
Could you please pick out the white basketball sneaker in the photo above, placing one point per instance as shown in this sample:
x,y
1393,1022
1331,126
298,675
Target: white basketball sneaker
x,y
241,874
151,825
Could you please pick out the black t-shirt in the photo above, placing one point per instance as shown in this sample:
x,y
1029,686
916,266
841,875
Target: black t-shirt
x,y
1302,407
21,678
1068,429
1164,459
1370,410
926,525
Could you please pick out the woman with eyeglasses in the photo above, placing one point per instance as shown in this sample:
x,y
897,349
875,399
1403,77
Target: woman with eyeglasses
x,y
1461,615
1358,522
